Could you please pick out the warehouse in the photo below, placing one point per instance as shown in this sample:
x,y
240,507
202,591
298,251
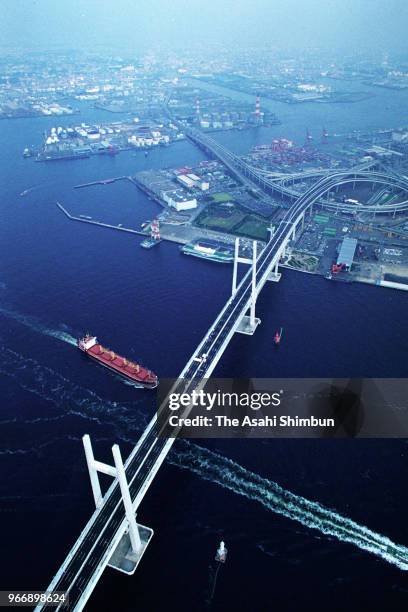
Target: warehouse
x,y
346,253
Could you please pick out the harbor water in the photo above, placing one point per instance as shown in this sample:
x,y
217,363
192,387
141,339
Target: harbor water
x,y
59,279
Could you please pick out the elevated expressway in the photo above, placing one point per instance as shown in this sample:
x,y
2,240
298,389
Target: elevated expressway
x,y
253,177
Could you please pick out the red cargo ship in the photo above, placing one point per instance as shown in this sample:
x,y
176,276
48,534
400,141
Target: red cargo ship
x,y
90,345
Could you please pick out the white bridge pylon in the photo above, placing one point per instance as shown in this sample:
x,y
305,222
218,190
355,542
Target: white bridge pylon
x,y
130,548
116,472
249,323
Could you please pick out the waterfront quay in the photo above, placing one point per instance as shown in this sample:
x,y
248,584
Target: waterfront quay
x,y
380,256
205,201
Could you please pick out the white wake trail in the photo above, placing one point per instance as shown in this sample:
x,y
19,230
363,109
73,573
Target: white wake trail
x,y
218,469
205,463
67,397
36,325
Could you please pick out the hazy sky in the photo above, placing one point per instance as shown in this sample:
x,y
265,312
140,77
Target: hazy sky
x,y
134,24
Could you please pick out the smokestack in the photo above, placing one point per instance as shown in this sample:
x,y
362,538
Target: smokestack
x,y
257,108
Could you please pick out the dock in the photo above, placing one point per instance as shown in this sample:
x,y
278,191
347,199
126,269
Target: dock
x,y
149,192
99,223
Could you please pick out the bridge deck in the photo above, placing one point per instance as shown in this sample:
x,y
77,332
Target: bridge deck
x,y
96,544
90,555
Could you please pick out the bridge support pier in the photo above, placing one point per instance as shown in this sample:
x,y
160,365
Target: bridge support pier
x,y
133,543
124,559
275,275
247,324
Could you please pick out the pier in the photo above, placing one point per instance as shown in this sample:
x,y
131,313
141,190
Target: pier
x,y
149,192
167,236
101,182
99,223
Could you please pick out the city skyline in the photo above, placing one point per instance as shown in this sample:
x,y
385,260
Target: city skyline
x,y
351,25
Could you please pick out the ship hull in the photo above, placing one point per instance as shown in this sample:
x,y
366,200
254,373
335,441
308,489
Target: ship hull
x,y
219,257
117,364
121,373
207,257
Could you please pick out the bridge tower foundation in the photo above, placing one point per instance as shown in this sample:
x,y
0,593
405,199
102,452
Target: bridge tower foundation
x,y
131,547
275,275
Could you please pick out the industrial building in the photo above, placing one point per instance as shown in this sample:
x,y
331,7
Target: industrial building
x,y
176,199
346,253
192,181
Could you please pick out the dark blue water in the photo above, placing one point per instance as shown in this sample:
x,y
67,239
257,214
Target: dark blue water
x,y
59,278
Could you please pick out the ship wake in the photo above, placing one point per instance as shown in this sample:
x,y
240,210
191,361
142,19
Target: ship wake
x,y
223,471
127,422
35,325
67,397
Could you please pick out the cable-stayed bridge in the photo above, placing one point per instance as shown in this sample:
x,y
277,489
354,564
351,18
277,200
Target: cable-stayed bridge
x,y
112,536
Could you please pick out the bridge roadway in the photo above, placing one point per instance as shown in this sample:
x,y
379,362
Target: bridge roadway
x,y
85,563
90,555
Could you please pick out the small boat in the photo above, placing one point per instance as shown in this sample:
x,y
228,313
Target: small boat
x,y
278,336
149,243
222,551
